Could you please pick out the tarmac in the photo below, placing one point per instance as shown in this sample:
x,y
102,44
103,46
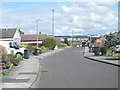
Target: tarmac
x,y
26,73
103,59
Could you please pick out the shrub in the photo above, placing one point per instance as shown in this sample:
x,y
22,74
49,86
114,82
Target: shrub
x,y
103,50
5,62
62,45
49,43
109,52
42,49
23,45
31,48
3,58
32,44
5,71
13,59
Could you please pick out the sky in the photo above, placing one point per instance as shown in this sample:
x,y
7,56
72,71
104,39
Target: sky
x,y
77,17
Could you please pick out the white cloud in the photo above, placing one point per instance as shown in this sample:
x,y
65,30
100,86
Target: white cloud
x,y
93,17
66,9
90,18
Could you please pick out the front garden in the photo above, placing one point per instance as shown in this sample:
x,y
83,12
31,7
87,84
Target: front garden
x,y
109,52
107,45
8,61
47,45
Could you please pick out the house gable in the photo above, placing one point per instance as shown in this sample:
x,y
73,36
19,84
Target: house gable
x,y
10,34
17,35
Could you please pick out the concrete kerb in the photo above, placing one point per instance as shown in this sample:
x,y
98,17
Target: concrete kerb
x,y
101,61
39,72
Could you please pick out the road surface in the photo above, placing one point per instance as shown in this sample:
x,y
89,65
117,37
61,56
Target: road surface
x,y
69,69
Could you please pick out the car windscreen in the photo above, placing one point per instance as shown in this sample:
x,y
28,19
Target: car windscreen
x,y
83,42
18,45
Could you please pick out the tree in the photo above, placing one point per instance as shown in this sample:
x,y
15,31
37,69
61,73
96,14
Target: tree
x,y
111,40
66,41
50,43
118,38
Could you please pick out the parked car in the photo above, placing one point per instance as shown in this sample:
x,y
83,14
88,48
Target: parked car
x,y
83,44
117,48
12,46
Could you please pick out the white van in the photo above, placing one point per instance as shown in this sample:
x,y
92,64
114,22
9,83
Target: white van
x,y
12,46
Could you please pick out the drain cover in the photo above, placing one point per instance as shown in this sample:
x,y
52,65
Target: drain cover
x,y
14,80
32,73
44,71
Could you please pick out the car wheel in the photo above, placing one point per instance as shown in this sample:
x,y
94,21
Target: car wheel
x,y
18,54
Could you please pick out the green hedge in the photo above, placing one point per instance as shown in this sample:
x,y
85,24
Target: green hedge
x,y
63,45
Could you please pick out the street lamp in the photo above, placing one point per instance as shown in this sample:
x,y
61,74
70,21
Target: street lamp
x,y
37,30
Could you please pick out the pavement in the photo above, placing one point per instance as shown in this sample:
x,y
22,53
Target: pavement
x,y
25,74
103,59
69,69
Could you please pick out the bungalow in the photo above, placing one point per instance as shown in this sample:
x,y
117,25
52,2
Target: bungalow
x,y
32,38
100,42
10,34
74,38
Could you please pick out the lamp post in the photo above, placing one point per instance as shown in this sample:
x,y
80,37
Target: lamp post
x,y
53,22
37,30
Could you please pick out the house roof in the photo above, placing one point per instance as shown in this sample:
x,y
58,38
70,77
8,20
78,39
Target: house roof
x,y
31,37
57,39
7,32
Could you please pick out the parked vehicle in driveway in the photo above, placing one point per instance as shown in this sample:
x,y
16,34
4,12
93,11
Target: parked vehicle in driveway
x,y
117,48
12,46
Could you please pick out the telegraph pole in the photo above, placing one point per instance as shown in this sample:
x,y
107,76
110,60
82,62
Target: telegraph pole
x,y
72,38
37,30
53,22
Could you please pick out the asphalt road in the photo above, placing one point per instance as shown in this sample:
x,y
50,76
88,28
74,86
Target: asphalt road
x,y
69,69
